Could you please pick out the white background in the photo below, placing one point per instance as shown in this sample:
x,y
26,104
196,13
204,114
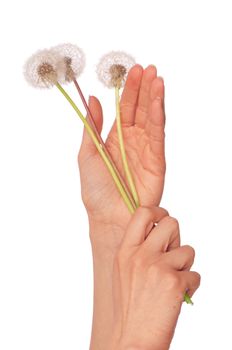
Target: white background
x,y
45,256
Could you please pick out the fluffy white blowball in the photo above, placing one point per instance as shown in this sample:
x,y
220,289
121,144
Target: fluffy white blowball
x,y
74,59
44,69
110,59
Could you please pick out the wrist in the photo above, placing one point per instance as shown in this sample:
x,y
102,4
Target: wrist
x,y
124,343
105,238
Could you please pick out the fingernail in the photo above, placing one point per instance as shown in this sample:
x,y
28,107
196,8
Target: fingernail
x,y
152,66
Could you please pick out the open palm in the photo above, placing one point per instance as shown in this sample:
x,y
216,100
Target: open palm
x,y
143,119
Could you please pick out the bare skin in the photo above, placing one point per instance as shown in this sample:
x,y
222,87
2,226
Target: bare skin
x,y
143,120
151,274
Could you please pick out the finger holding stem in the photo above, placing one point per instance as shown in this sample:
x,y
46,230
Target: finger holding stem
x,y
99,148
102,142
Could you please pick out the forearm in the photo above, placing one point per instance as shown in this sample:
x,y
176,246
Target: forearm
x,y
102,305
103,258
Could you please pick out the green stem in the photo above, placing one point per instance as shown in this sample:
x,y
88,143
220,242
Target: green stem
x,y
122,149
99,148
187,299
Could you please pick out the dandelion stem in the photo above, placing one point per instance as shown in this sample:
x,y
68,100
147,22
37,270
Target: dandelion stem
x,y
99,148
122,149
102,142
187,299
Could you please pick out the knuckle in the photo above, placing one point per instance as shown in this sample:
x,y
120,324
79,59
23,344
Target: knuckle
x,y
166,213
172,281
198,278
173,223
190,251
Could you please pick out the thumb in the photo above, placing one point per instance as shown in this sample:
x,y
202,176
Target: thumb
x,y
87,145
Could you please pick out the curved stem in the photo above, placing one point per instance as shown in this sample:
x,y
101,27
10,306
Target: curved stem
x,y
102,142
122,149
99,148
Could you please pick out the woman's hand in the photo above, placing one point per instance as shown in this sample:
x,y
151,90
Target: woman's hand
x,y
143,119
142,114
151,275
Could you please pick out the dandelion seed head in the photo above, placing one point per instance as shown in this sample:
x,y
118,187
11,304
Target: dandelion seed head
x,y
73,58
43,69
113,68
46,72
118,73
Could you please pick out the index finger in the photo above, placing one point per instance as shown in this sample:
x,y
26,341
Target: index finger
x,y
141,222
